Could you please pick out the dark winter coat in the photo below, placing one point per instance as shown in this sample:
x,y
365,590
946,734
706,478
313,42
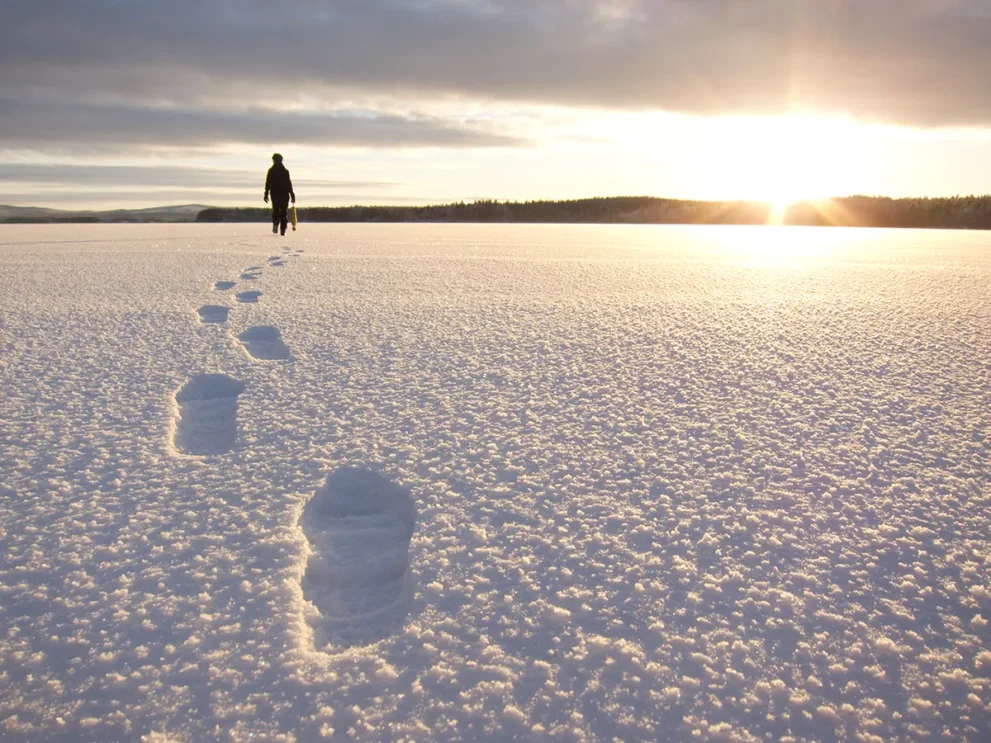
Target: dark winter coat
x,y
279,184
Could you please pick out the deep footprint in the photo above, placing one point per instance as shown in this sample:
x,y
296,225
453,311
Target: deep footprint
x,y
359,527
207,421
213,313
250,276
222,286
250,296
264,342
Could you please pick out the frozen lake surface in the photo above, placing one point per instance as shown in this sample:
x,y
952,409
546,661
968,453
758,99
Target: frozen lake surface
x,y
483,482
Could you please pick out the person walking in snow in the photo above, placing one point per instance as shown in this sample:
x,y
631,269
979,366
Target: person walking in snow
x,y
279,185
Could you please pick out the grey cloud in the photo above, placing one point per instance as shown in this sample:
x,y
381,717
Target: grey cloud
x,y
127,127
65,175
166,197
915,62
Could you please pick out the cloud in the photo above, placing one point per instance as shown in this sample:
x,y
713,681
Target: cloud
x,y
162,197
158,176
62,184
908,62
30,123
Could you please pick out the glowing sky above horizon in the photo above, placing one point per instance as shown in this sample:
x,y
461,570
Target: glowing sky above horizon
x,y
130,104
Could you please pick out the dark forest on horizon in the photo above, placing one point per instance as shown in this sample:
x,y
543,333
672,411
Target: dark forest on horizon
x,y
957,212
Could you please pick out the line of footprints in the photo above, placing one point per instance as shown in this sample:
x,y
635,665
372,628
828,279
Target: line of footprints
x,y
207,403
358,525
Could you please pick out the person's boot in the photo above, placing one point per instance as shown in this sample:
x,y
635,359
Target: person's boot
x,y
275,227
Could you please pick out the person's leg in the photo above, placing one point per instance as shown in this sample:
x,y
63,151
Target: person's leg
x,y
275,217
282,207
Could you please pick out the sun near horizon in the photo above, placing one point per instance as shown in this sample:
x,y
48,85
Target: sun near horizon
x,y
784,159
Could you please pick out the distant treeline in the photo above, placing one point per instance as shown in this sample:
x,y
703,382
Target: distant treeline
x,y
958,212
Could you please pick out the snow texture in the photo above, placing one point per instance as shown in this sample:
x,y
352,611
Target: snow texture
x,y
549,483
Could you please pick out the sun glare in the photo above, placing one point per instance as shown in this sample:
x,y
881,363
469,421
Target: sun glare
x,y
779,208
783,160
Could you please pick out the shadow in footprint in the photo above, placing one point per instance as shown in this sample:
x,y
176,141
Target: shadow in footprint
x,y
222,286
250,296
264,342
213,313
359,526
250,276
207,421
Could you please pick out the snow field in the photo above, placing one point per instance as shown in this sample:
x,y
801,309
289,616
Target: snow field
x,y
656,484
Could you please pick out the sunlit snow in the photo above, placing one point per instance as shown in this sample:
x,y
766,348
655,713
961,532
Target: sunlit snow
x,y
494,482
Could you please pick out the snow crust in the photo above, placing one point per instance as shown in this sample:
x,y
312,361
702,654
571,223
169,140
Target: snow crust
x,y
506,483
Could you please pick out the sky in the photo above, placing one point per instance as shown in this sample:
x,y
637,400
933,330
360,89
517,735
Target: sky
x,y
127,103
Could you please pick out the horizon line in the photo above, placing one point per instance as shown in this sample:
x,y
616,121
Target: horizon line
x,y
434,204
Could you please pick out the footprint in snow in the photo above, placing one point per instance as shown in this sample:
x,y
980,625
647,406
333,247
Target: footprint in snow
x,y
222,286
207,407
251,275
264,342
249,296
359,526
213,313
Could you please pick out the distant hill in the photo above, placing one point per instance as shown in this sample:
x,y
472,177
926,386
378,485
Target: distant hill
x,y
35,214
27,212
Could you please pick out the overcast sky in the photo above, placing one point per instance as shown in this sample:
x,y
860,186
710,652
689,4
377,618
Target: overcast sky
x,y
383,101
